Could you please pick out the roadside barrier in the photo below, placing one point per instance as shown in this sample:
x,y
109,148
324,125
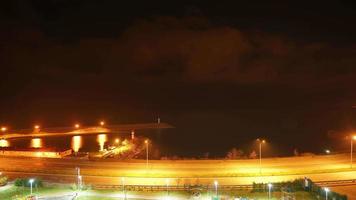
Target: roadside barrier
x,y
208,187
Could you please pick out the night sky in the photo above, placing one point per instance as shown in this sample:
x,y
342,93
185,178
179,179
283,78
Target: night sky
x,y
222,73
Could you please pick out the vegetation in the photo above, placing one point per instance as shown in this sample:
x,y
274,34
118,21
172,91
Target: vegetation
x,y
259,191
298,186
3,180
23,182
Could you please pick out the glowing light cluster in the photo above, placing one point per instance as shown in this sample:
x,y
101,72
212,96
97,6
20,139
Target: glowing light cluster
x,y
36,143
4,143
102,138
76,143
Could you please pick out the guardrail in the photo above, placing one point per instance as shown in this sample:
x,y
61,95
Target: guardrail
x,y
336,183
171,188
207,187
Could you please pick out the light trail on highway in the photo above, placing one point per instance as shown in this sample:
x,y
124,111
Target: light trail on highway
x,y
228,172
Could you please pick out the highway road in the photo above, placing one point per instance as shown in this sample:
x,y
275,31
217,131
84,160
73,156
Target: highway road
x,y
318,168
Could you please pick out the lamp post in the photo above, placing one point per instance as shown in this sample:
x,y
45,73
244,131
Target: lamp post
x,y
167,187
260,153
146,142
351,151
31,181
123,187
216,188
269,190
80,180
326,193
79,177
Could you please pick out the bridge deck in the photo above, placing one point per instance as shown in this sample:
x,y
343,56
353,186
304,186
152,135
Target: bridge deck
x,y
58,131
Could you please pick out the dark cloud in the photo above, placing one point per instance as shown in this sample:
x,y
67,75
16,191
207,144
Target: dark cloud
x,y
181,49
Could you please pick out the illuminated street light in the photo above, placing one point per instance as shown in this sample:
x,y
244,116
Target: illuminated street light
x,y
146,142
102,123
351,151
117,140
77,125
3,129
327,151
31,181
123,187
167,185
216,188
326,193
260,145
80,178
269,190
132,135
37,127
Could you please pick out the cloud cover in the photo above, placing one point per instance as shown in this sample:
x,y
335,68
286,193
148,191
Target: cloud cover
x,y
188,49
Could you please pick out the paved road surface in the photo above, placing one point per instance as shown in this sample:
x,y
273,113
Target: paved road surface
x,y
318,168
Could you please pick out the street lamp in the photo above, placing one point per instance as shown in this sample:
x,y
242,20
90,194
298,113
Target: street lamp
x,y
79,178
3,129
269,190
31,181
37,127
167,185
352,141
260,145
216,188
326,193
80,182
146,142
117,140
102,123
123,187
77,125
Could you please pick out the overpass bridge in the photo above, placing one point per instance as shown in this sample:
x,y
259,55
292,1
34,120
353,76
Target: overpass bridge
x,y
64,131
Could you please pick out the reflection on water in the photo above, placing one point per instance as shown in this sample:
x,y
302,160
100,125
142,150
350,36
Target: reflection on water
x,y
87,143
102,138
76,143
36,143
4,143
